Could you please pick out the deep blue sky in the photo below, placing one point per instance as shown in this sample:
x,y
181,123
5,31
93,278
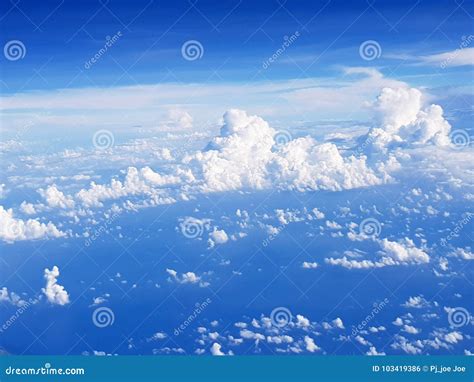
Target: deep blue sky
x,y
237,37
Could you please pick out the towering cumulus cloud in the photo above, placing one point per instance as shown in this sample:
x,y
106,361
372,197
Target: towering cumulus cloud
x,y
402,121
245,155
55,293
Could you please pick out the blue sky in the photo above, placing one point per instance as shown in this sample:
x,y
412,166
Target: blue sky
x,y
270,169
237,37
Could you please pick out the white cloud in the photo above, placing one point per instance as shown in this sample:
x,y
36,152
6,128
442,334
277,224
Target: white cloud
x,y
216,349
27,208
416,302
218,236
392,253
310,345
56,198
453,337
373,351
186,278
404,251
245,155
11,297
137,182
459,57
302,321
12,229
410,329
401,120
309,265
463,253
55,293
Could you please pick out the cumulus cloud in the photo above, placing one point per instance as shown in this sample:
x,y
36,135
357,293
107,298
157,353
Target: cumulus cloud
x,y
310,345
373,351
216,349
186,278
137,182
218,237
55,293
13,229
55,198
402,252
246,155
401,120
11,297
